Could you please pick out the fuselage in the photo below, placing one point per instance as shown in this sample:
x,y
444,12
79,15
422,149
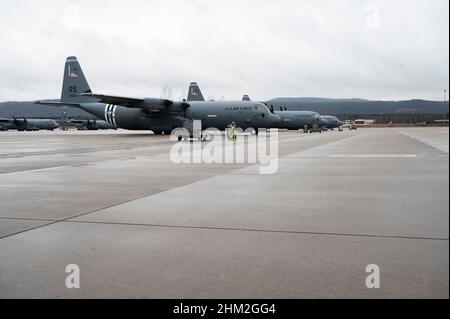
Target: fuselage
x,y
294,120
212,114
219,114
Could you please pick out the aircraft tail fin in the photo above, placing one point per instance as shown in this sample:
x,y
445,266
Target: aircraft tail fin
x,y
195,94
74,83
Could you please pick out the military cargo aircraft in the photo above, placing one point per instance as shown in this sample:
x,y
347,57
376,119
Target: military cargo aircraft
x,y
156,114
332,122
295,120
291,120
25,124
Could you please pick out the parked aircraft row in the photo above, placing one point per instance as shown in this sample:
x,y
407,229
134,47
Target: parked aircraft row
x,y
24,124
27,124
291,120
164,115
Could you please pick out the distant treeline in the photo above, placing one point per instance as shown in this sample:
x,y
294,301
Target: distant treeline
x,y
412,111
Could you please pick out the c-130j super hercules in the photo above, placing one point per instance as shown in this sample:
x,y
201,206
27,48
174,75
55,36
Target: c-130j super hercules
x,y
291,120
155,114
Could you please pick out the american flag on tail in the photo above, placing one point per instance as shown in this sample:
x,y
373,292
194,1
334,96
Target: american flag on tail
x,y
72,74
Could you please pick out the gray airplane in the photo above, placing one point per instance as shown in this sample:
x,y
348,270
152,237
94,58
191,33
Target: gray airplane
x,y
27,124
90,125
158,115
295,120
332,121
291,120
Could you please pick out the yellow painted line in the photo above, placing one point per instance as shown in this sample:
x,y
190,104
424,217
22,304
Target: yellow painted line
x,y
374,156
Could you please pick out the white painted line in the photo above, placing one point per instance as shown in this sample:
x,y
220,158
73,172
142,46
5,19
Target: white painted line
x,y
439,146
374,156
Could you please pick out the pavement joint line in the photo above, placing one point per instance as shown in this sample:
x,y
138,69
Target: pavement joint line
x,y
31,219
258,230
373,156
100,209
28,229
148,195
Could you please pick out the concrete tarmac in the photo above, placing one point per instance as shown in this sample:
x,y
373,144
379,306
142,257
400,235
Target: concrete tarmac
x,y
140,226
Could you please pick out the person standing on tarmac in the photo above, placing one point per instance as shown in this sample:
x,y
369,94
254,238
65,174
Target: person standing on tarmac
x,y
232,131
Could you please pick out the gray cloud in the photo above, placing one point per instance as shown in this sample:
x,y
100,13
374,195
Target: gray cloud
x,y
335,48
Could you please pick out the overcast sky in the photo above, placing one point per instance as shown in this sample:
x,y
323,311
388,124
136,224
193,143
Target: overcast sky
x,y
393,49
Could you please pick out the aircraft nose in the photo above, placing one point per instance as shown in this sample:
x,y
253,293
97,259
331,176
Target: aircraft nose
x,y
273,120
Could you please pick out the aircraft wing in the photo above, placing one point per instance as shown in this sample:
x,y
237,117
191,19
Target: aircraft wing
x,y
147,104
116,100
55,103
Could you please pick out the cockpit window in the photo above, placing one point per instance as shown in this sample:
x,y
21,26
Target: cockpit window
x,y
263,107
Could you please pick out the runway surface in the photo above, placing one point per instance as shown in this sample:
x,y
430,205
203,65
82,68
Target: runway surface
x,y
140,226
